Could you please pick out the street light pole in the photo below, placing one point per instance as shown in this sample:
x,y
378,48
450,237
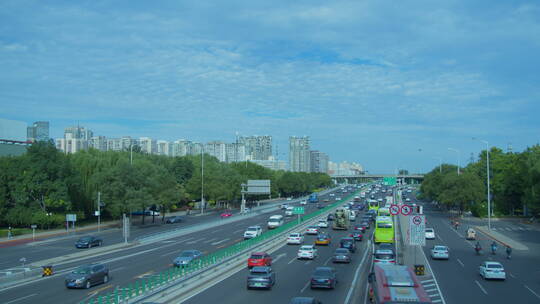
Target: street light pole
x,y
440,163
202,178
459,158
490,210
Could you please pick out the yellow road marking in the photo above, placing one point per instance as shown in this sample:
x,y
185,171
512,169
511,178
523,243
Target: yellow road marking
x,y
144,274
94,292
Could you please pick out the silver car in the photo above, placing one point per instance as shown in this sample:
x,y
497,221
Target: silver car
x,y
88,275
186,257
341,255
440,252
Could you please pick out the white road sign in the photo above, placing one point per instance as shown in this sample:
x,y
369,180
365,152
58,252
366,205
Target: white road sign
x,y
406,209
417,230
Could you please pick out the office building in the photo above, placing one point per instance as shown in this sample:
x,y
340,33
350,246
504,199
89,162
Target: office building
x,y
236,152
318,162
299,155
38,131
257,147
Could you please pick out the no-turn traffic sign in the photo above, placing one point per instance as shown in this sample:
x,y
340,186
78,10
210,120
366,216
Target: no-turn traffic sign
x,y
394,209
417,220
406,209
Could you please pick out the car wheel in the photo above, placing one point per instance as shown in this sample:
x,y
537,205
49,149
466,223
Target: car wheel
x,y
105,279
87,285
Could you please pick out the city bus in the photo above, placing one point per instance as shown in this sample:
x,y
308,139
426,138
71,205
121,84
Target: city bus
x,y
396,284
384,229
383,211
373,205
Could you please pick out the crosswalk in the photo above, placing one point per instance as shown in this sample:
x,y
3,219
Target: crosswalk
x,y
431,288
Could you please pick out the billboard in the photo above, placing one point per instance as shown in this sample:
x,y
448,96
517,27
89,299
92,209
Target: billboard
x,y
258,186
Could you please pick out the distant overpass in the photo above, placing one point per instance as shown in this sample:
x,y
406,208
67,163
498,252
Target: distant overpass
x,y
363,178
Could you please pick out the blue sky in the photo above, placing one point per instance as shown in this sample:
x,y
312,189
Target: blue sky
x,y
369,81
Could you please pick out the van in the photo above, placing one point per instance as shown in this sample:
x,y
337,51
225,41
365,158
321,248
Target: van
x,y
275,221
289,211
352,216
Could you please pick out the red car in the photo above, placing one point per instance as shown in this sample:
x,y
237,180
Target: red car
x,y
259,259
226,214
360,228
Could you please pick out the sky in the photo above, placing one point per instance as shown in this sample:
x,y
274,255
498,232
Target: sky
x,y
388,84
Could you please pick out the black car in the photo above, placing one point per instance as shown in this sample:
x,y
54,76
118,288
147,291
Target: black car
x,y
88,242
304,300
173,220
349,243
261,277
323,277
330,217
88,275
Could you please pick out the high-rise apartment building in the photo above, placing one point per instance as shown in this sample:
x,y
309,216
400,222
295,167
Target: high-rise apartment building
x,y
78,132
257,147
318,161
98,142
181,147
236,152
164,148
148,145
39,131
76,138
216,149
299,156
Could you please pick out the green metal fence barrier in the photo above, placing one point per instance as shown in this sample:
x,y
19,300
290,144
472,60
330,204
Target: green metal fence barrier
x,y
141,286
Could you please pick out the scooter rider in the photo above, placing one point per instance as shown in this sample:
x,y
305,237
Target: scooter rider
x,y
477,247
508,252
493,247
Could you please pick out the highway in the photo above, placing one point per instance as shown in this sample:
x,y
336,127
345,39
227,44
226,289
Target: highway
x,y
126,266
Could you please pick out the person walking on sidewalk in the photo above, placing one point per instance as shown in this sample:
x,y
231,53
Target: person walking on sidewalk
x,y
508,252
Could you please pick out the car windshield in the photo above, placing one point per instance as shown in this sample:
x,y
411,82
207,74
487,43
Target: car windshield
x,y
322,273
495,266
384,256
85,239
187,254
294,235
82,270
440,248
384,225
256,256
252,229
342,251
429,230
306,248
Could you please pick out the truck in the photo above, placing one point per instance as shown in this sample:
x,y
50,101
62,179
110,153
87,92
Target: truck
x,y
341,219
313,198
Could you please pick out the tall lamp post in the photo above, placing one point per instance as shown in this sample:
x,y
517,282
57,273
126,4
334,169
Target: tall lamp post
x,y
490,210
202,178
459,158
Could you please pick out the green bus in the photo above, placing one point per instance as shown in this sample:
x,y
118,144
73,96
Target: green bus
x,y
383,211
373,205
384,229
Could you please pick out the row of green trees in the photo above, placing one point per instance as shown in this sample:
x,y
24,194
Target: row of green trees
x,y
44,184
514,183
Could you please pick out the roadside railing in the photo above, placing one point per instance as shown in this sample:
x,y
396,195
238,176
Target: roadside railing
x,y
174,274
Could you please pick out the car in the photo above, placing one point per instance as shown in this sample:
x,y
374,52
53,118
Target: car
x,y
407,199
338,198
356,235
259,259
289,211
284,206
88,241
226,214
330,217
87,276
365,225
307,252
186,257
261,277
252,231
289,198
247,209
360,228
440,252
314,230
173,220
342,255
304,300
332,194
323,277
326,200
387,246
304,202
492,270
323,239
348,243
295,238
320,206
322,224
430,234
384,256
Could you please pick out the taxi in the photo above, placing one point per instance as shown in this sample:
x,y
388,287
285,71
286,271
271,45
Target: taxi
x,y
323,239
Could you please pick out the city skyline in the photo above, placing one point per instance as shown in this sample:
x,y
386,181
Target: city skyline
x,y
372,81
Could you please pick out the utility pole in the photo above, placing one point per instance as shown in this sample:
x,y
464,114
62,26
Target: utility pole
x,y
99,211
202,178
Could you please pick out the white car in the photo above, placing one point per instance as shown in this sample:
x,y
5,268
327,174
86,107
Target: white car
x,y
440,252
307,252
252,231
303,202
430,234
323,224
332,194
295,239
312,230
289,198
492,270
338,198
407,199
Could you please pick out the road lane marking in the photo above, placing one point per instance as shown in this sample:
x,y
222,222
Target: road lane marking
x,y
219,242
439,237
239,230
21,298
168,253
534,293
210,240
430,290
353,283
116,269
328,260
293,259
216,231
195,241
304,288
481,288
436,301
279,257
513,276
429,285
460,262
426,281
144,274
434,277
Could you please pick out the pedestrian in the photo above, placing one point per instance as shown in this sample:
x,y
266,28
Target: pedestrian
x,y
10,234
508,252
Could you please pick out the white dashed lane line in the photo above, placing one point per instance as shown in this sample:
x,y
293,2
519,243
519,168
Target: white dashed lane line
x,y
480,286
